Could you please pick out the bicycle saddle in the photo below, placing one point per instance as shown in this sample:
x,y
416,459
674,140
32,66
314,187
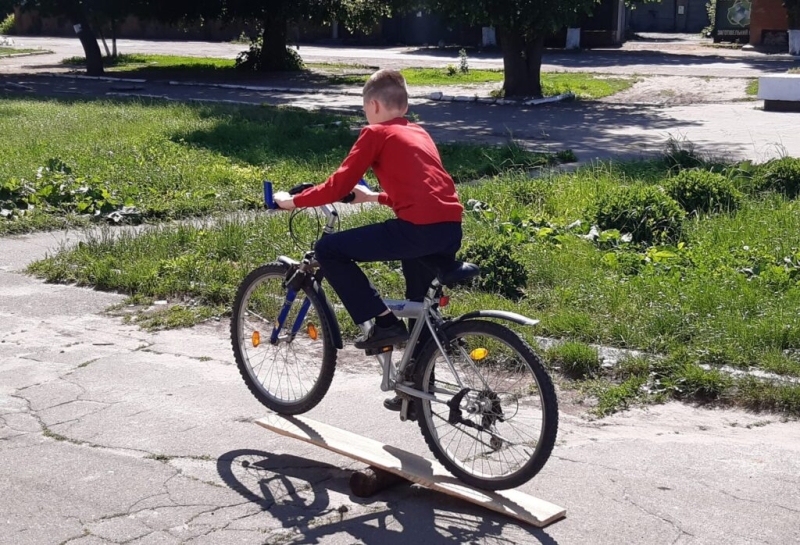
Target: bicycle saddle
x,y
458,271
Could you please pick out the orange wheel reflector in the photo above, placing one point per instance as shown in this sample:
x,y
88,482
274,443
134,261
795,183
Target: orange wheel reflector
x,y
478,354
312,332
256,338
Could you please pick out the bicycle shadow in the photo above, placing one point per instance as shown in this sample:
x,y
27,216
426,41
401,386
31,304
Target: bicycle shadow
x,y
296,491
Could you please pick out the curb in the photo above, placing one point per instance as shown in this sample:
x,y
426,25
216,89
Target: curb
x,y
95,78
303,90
328,109
173,99
441,97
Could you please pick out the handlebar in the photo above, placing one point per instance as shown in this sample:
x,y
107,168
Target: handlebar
x,y
269,202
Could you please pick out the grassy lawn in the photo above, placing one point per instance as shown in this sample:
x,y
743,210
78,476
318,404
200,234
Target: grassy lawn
x,y
68,162
587,86
6,51
722,289
752,88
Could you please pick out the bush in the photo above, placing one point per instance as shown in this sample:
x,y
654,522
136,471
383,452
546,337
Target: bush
x,y
256,59
780,175
501,269
646,212
702,191
576,360
8,25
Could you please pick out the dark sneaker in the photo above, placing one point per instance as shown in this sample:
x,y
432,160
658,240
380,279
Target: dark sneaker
x,y
393,403
396,403
379,337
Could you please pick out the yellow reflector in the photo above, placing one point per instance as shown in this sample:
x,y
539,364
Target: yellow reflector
x,y
312,331
256,338
478,354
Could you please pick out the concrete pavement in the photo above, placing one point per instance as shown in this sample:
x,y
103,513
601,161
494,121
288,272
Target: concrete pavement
x,y
110,434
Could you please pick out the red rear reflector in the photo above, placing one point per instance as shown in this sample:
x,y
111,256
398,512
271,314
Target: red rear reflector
x,y
444,301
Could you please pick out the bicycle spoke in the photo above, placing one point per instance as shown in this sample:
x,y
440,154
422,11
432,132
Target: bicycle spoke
x,y
496,431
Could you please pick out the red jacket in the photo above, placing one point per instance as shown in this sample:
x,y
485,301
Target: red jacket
x,y
408,167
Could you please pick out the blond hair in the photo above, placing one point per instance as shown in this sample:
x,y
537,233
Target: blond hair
x,y
387,87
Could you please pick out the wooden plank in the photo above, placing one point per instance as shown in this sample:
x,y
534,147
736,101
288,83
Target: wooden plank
x,y
427,473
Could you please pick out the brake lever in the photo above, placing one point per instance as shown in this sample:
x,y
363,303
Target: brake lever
x,y
350,197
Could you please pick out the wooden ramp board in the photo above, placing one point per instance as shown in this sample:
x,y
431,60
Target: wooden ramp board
x,y
427,473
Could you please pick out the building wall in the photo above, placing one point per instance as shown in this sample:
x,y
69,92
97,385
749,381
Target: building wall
x,y
766,15
664,16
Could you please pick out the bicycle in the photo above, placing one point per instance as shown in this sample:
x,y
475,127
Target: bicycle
x,y
482,398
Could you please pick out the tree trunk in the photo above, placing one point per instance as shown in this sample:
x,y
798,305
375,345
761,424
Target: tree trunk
x,y
522,62
114,52
273,46
94,58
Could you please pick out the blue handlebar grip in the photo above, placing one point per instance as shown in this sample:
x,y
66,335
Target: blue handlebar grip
x,y
268,202
362,182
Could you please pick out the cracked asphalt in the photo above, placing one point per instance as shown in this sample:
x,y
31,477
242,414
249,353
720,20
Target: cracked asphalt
x,y
110,434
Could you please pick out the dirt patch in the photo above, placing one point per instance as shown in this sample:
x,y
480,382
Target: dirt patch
x,y
683,90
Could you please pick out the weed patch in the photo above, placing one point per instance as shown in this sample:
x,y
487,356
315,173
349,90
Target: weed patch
x,y
574,359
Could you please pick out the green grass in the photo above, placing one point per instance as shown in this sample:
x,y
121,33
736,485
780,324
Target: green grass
x,y
697,304
574,359
139,62
585,86
171,161
726,294
6,51
752,88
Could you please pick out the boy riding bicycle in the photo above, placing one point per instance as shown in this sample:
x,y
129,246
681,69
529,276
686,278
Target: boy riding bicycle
x,y
427,231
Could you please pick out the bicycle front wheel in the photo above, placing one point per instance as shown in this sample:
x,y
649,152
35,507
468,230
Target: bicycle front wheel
x,y
288,368
495,420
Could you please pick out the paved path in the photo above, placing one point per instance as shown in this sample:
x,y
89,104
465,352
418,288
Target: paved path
x,y
658,58
593,130
109,434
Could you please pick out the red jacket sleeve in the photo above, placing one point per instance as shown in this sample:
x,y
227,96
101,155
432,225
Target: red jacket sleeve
x,y
342,182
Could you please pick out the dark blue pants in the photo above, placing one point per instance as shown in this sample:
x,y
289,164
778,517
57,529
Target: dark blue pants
x,y
422,249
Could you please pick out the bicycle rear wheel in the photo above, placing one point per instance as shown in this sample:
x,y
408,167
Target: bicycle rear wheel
x,y
289,372
496,419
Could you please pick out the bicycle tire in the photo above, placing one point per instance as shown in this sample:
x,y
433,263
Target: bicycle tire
x,y
512,360
303,358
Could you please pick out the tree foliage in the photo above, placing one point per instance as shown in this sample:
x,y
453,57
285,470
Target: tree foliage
x,y
522,26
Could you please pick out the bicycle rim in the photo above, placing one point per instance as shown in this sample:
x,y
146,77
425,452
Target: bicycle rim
x,y
500,426
292,372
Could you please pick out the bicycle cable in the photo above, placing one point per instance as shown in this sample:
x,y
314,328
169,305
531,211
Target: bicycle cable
x,y
295,232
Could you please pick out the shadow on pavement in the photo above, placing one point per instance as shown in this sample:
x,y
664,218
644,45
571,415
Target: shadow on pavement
x,y
588,128
599,60
296,492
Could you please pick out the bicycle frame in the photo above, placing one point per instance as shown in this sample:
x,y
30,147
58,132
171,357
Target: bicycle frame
x,y
426,314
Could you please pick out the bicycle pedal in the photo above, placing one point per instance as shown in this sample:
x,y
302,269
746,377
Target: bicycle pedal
x,y
378,351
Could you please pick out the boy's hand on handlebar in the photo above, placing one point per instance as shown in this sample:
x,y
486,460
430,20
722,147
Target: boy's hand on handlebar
x,y
284,200
364,194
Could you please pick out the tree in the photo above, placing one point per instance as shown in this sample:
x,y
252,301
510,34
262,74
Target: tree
x,y
86,16
269,52
522,26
